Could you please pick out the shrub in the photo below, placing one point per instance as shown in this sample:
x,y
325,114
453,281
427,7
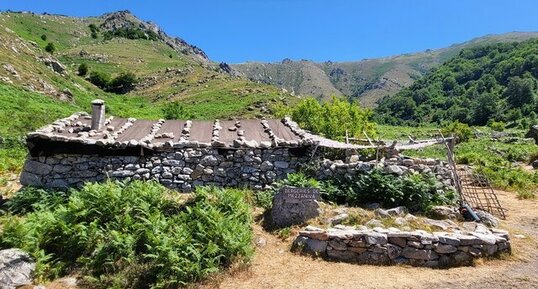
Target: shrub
x,y
497,125
93,28
175,110
133,235
131,33
44,37
82,69
123,83
30,199
332,118
99,79
416,192
50,48
459,130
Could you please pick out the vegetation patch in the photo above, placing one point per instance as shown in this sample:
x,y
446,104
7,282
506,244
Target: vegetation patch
x,y
130,235
416,192
482,85
332,118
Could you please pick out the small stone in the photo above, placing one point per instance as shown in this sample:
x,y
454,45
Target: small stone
x,y
394,169
281,164
419,254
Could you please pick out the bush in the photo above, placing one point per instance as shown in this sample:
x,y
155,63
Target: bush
x,y
175,110
82,69
459,130
123,83
131,33
99,79
132,235
44,37
30,199
497,125
416,192
50,48
333,118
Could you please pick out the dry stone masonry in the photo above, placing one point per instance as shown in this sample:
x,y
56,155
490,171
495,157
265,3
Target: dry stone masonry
x,y
391,246
179,169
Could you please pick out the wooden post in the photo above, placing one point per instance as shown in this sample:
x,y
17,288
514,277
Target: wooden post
x,y
347,137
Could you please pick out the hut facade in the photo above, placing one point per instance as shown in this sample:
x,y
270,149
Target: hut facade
x,y
179,154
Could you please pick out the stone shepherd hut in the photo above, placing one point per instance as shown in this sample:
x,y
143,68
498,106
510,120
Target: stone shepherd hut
x,y
180,154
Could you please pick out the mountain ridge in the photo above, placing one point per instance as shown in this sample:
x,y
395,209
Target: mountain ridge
x,y
367,80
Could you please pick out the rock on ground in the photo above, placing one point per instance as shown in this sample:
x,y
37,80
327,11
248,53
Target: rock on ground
x,y
16,268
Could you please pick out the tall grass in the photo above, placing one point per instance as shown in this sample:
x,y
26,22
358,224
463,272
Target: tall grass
x,y
130,235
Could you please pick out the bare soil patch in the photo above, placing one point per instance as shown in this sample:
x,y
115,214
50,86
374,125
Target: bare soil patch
x,y
275,267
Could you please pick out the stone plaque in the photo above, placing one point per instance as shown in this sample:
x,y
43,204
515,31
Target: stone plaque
x,y
295,195
295,206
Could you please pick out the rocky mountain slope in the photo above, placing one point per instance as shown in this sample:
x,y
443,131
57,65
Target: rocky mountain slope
x,y
168,69
368,80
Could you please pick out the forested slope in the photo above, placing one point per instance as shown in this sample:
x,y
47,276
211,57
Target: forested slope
x,y
480,85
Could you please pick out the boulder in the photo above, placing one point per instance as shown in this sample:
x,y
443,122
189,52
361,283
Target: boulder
x,y
444,212
286,212
54,64
16,268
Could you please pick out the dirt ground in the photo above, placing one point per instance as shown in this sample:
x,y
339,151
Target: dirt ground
x,y
274,266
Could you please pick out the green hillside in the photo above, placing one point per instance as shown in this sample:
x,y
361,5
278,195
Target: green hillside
x,y
367,80
167,70
482,84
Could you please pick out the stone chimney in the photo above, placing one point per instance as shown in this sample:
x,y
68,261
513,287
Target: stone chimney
x,y
98,114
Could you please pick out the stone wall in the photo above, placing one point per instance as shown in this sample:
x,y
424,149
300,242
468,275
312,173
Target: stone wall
x,y
398,166
391,246
177,168
184,168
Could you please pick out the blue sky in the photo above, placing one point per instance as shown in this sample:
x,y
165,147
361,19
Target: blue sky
x,y
241,30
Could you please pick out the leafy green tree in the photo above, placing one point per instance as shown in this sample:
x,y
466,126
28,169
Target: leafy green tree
x,y
481,84
520,91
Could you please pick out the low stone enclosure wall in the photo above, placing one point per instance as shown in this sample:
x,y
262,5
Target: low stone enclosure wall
x,y
391,246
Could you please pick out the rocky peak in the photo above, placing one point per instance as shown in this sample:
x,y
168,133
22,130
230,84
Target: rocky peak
x,y
125,19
